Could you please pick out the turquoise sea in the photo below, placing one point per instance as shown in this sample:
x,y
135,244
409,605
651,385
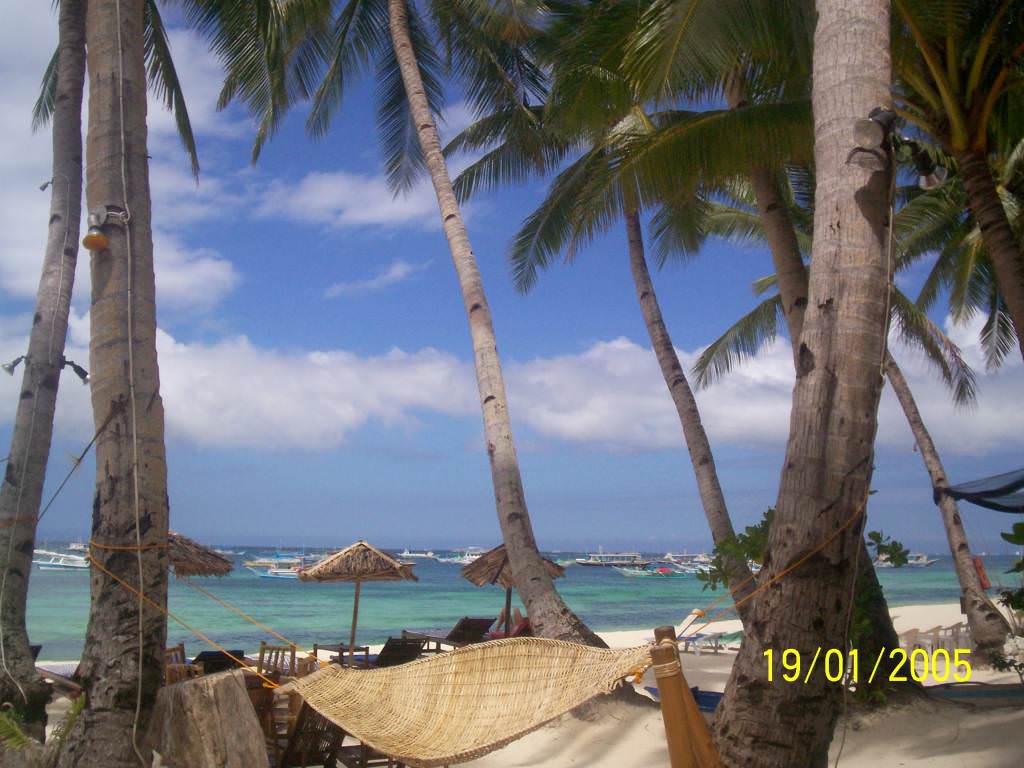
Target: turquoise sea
x,y
59,603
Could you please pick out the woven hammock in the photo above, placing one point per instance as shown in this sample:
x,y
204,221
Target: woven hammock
x,y
457,706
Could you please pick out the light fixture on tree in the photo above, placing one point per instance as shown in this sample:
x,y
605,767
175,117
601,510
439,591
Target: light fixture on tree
x,y
79,370
872,136
9,367
96,239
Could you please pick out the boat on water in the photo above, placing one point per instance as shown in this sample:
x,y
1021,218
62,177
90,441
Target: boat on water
x,y
273,562
914,560
46,560
405,553
614,559
77,546
700,558
463,556
276,573
656,570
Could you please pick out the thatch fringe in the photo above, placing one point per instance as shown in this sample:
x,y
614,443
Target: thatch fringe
x,y
358,562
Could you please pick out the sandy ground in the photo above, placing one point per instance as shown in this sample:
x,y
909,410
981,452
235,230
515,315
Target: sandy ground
x,y
940,734
930,733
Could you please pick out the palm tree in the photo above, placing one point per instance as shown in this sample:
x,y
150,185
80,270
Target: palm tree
x,y
827,471
482,46
592,102
959,67
123,657
22,489
60,99
747,336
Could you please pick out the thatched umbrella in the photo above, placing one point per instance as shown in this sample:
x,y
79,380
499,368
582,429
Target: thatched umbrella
x,y
358,562
189,558
492,568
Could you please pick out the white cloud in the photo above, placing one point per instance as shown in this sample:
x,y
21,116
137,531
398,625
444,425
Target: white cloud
x,y
195,279
343,199
399,271
189,278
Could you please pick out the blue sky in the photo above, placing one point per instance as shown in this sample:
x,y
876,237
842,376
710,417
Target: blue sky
x,y
316,366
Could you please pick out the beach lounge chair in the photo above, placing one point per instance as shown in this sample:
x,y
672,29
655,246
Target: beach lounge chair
x,y
467,630
522,629
702,641
397,650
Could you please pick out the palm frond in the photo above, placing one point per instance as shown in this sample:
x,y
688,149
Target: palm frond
x,y
43,108
357,36
403,157
553,227
998,337
743,340
164,82
916,329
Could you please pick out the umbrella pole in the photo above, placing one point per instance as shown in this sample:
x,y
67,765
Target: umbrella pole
x,y
508,611
355,619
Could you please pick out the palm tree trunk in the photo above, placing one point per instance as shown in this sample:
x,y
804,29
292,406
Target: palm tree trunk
x,y
124,646
22,489
1003,248
988,626
790,271
827,471
740,581
549,614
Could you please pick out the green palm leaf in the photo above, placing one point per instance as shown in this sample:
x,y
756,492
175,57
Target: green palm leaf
x,y
743,340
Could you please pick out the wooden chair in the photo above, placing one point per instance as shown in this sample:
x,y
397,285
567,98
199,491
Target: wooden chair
x,y
262,698
312,740
277,658
176,666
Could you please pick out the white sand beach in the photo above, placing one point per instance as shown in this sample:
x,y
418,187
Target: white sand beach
x,y
929,733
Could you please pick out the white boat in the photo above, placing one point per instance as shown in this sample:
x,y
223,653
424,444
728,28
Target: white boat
x,y
658,570
914,560
701,558
77,546
614,559
277,573
58,561
466,556
423,555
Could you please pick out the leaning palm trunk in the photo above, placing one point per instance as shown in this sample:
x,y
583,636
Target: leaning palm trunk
x,y
22,489
124,646
827,472
549,614
740,580
1002,245
988,626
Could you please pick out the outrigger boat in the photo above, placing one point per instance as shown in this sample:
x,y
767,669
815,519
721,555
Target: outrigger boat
x,y
655,571
58,561
276,573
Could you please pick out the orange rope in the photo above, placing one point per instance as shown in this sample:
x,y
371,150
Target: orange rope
x,y
247,617
267,682
790,568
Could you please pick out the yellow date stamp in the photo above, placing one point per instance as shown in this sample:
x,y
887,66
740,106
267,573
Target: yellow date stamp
x,y
920,665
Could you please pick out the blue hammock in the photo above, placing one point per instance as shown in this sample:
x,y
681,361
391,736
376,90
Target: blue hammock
x,y
1004,492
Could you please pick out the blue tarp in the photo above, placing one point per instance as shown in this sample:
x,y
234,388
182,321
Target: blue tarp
x,y
1004,492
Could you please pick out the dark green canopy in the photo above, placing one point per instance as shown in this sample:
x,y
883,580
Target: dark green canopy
x,y
1004,492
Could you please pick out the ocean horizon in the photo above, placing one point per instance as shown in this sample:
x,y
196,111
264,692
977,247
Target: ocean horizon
x,y
58,605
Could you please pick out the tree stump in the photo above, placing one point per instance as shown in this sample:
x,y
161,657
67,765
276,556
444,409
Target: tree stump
x,y
209,720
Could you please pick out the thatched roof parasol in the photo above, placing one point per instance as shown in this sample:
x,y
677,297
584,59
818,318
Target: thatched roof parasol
x,y
492,567
189,558
358,562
